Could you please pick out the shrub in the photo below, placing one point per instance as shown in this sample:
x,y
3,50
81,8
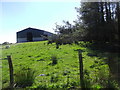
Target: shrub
x,y
5,43
24,77
54,59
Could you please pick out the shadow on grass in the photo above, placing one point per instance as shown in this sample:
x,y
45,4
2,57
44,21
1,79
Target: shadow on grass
x,y
112,54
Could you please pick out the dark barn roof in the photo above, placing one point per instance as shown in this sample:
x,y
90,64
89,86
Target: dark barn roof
x,y
35,32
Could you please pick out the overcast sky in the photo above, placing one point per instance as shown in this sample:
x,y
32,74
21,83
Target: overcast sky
x,y
17,16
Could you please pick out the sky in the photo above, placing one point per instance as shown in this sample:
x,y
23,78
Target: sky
x,y
16,16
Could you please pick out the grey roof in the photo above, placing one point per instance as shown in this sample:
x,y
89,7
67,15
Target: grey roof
x,y
35,32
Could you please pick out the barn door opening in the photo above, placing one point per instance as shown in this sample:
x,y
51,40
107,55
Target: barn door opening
x,y
29,37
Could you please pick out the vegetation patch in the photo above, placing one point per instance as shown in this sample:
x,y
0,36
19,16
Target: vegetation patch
x,y
37,67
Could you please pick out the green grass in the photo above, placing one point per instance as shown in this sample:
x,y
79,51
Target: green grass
x,y
24,77
64,73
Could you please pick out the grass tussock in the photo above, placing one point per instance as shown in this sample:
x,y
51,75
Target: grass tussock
x,y
24,77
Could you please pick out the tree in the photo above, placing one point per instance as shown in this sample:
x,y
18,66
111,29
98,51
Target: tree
x,y
66,33
118,20
97,19
97,22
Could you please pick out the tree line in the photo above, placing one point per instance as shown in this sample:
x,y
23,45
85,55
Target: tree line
x,y
97,22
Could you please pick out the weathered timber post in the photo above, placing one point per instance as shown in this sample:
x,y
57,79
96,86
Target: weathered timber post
x,y
11,71
81,69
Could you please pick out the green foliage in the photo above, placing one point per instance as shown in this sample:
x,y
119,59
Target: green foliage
x,y
98,21
24,77
35,58
54,59
54,78
113,84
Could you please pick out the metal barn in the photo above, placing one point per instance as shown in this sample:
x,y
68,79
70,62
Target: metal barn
x,y
32,34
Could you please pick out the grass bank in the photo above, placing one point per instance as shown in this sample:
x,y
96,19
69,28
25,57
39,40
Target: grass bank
x,y
54,68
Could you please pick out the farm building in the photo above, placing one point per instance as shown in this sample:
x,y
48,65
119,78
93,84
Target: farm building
x,y
32,34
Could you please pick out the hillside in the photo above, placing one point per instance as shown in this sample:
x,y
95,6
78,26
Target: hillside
x,y
53,68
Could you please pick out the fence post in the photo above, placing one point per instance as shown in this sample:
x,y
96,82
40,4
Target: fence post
x,y
81,69
11,71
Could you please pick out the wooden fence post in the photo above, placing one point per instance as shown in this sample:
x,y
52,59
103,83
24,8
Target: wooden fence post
x,y
11,71
81,69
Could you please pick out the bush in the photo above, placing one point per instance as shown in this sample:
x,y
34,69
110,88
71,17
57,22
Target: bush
x,y
24,77
54,59
5,43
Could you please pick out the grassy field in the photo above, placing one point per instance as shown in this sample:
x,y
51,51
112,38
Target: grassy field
x,y
38,65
